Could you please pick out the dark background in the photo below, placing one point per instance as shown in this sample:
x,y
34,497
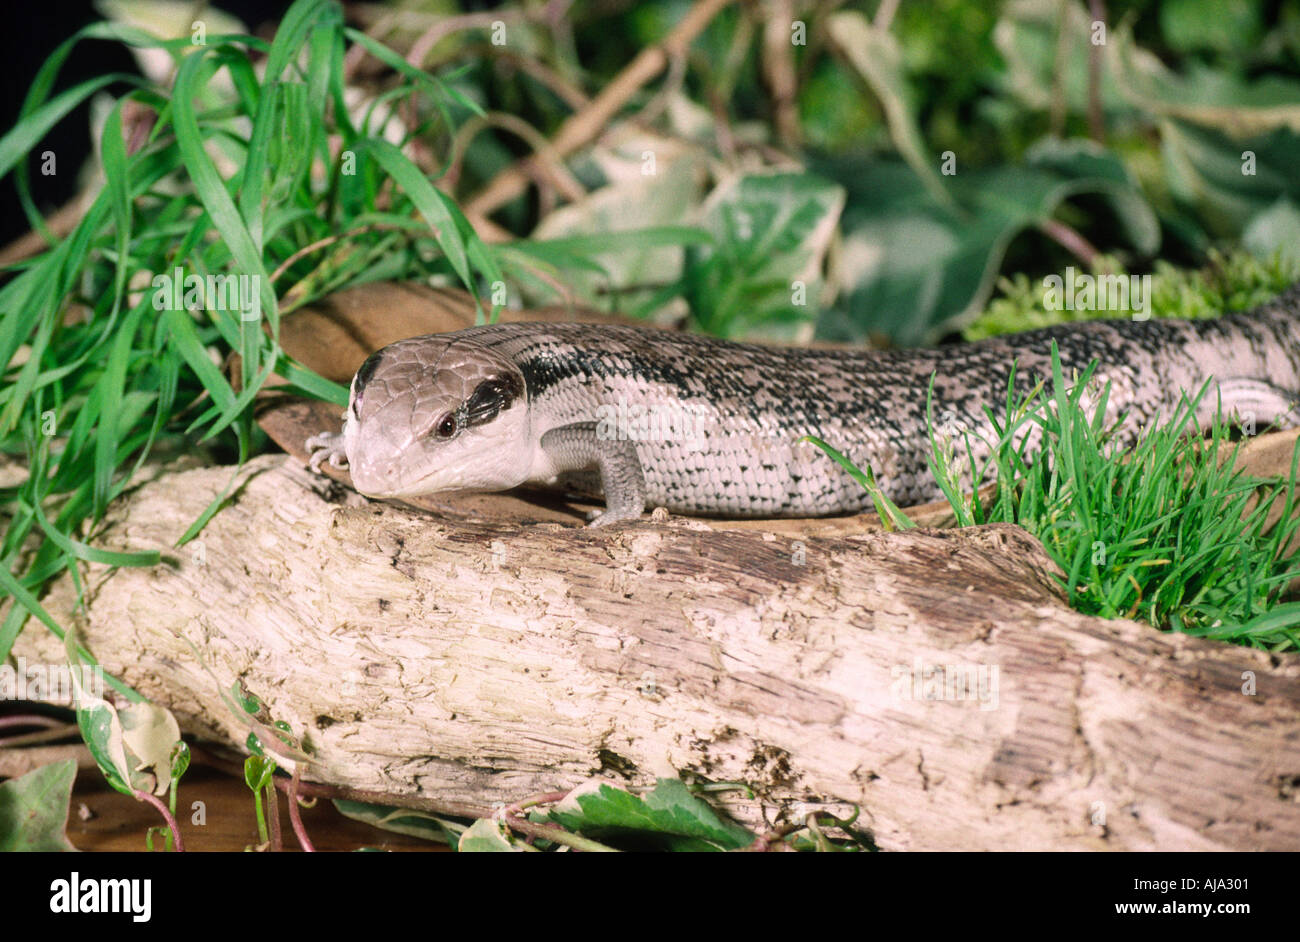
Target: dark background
x,y
32,32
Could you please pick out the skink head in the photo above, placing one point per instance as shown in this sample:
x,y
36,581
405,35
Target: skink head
x,y
437,413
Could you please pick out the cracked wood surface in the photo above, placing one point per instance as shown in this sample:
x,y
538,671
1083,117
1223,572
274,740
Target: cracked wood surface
x,y
455,664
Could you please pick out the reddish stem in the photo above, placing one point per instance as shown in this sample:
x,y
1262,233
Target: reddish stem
x,y
1070,239
547,798
273,820
167,816
295,817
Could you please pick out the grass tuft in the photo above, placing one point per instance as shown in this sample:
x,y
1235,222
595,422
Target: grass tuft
x,y
1165,529
100,370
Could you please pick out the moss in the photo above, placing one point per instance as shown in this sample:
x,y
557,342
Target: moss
x,y
1230,281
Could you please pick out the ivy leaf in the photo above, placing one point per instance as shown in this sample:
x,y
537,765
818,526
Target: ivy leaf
x,y
1276,229
150,734
484,836
132,745
401,820
669,817
1230,28
102,732
914,269
877,57
34,809
1213,99
258,771
771,232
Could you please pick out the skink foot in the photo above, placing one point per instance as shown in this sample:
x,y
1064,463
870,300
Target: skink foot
x,y
578,446
604,518
326,446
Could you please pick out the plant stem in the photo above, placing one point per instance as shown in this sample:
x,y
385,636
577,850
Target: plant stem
x,y
295,815
273,817
262,837
167,816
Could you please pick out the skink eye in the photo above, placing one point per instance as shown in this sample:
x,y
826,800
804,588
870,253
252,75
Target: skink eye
x,y
447,427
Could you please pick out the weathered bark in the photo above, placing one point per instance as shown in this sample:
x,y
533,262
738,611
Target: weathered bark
x,y
457,664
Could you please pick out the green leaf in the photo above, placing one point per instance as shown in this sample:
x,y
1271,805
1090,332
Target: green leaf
x,y
1232,28
1275,230
670,815
402,821
250,702
34,809
1202,95
180,759
397,62
431,203
258,771
916,269
15,144
1285,615
211,187
762,268
113,149
876,56
1087,167
132,745
484,836
1227,180
102,733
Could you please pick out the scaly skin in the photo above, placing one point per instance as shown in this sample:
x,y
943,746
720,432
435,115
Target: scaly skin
x,y
729,416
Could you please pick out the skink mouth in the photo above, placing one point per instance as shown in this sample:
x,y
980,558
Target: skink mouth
x,y
369,491
372,484
388,482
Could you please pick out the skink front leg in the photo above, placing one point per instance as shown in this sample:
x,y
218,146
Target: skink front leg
x,y
327,445
578,447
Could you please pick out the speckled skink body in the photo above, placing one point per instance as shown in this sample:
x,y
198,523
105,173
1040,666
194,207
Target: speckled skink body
x,y
705,426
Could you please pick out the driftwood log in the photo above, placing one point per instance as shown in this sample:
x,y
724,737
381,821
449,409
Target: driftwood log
x,y
486,649
934,678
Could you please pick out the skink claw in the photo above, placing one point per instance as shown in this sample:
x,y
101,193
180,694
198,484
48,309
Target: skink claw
x,y
605,518
326,446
